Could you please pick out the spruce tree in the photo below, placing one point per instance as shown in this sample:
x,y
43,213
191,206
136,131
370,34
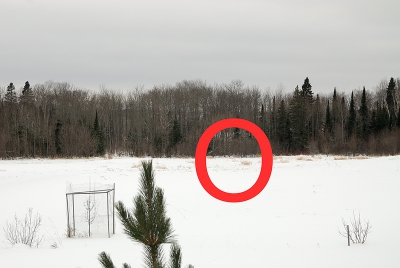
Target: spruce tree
x,y
148,224
306,91
262,119
351,122
133,141
328,121
99,137
57,139
364,121
175,136
343,117
391,102
317,117
307,94
158,142
297,115
336,118
398,119
373,125
11,96
27,94
283,127
236,133
334,106
273,120
380,118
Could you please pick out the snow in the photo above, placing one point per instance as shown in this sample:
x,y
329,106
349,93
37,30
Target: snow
x,y
293,222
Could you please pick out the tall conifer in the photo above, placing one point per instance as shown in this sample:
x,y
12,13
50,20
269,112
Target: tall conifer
x,y
11,96
27,94
175,136
98,135
364,120
351,121
328,121
391,102
297,113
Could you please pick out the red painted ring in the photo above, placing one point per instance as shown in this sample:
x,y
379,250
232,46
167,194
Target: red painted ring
x,y
266,160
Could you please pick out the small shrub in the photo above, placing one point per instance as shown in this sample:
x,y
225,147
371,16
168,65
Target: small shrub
x,y
358,232
24,231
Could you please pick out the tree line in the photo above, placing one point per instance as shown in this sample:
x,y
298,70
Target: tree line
x,y
60,120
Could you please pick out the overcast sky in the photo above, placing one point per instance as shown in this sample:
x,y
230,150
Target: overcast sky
x,y
122,44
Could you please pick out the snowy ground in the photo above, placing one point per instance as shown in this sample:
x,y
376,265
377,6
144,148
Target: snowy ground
x,y
292,223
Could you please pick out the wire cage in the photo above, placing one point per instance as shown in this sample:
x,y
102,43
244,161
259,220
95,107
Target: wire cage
x,y
90,209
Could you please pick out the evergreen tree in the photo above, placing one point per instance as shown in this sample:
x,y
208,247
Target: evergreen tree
x,y
351,122
236,133
306,91
336,118
98,135
175,135
11,96
158,142
373,126
342,119
133,141
262,119
297,115
398,119
317,118
391,102
148,224
273,120
27,87
210,147
307,94
281,121
283,130
363,112
57,139
27,94
236,130
334,106
380,118
328,121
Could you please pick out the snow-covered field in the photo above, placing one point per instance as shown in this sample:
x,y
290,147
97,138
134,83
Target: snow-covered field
x,y
293,222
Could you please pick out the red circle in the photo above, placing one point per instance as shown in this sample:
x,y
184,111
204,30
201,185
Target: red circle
x,y
266,160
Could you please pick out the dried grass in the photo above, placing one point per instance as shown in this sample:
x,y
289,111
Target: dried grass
x,y
161,167
304,158
357,157
137,165
360,157
280,159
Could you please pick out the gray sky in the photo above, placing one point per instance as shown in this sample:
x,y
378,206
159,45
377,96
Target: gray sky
x,y
122,44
